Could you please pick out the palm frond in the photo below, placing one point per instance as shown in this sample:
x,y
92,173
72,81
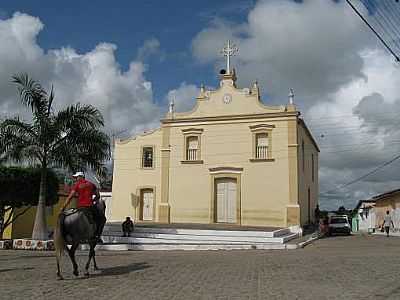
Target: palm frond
x,y
80,117
80,149
70,139
18,145
50,100
31,92
18,127
18,141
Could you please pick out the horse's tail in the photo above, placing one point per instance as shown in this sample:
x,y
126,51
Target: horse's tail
x,y
59,241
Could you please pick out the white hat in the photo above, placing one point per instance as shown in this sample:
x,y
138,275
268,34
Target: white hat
x,y
79,174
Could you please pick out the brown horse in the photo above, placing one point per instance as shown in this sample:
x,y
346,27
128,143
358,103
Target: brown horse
x,y
74,228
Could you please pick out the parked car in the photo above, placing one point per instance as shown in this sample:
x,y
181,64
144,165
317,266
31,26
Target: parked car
x,y
339,224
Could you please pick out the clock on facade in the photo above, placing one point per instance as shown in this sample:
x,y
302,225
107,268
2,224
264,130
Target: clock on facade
x,y
227,98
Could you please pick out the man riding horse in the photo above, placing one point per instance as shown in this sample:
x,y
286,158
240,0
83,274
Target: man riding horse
x,y
85,191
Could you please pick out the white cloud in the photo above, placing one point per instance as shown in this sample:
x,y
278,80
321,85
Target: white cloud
x,y
150,47
312,47
184,97
94,77
359,123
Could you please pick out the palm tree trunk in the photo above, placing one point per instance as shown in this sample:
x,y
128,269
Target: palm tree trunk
x,y
2,215
40,226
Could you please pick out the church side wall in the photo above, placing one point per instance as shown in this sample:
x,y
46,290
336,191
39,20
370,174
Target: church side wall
x,y
130,177
305,178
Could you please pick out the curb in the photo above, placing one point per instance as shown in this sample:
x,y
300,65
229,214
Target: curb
x,y
6,244
292,246
28,244
384,234
307,242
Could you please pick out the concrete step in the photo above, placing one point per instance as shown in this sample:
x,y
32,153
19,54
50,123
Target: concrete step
x,y
195,237
145,238
189,247
114,229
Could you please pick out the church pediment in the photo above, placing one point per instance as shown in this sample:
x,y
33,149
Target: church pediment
x,y
228,99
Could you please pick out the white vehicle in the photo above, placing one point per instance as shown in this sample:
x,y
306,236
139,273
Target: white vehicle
x,y
339,224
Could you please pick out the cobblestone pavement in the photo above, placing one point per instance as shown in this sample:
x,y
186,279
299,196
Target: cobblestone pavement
x,y
356,267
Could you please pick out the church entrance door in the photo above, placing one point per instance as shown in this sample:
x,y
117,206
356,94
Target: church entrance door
x,y
226,200
147,205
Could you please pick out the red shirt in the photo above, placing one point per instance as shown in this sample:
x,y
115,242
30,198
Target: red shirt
x,y
85,190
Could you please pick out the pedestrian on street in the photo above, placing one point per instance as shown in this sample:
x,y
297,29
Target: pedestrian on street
x,y
317,214
387,222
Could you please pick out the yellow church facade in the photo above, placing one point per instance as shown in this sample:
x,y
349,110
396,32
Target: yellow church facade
x,y
231,160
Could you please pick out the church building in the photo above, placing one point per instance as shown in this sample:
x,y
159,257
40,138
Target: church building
x,y
231,159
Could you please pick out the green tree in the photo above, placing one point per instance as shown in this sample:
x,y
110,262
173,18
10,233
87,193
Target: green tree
x,y
20,188
70,138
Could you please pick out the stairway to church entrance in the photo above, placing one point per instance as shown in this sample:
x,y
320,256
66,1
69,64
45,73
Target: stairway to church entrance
x,y
153,236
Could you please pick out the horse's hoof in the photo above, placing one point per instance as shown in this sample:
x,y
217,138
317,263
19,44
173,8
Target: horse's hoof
x,y
76,273
96,269
59,277
87,274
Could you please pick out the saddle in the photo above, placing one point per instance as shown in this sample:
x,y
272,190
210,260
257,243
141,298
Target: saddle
x,y
69,211
86,210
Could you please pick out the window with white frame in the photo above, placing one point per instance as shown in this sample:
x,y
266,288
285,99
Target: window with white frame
x,y
261,142
147,157
261,146
192,148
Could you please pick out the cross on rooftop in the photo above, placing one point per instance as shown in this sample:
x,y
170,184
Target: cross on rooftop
x,y
228,51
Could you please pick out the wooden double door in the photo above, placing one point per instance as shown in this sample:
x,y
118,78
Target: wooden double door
x,y
226,200
147,205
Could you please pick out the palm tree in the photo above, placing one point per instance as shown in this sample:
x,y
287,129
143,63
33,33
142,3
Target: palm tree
x,y
70,138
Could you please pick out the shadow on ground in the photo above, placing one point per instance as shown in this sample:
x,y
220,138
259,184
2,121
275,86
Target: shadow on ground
x,y
15,269
121,270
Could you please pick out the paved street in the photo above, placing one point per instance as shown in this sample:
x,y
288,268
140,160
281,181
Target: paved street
x,y
357,267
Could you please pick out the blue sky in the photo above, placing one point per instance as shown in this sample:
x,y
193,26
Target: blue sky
x,y
128,24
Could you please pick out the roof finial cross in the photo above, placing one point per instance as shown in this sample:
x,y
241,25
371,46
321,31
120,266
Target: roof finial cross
x,y
291,96
172,103
228,51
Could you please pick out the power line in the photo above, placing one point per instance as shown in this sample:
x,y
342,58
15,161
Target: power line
x,y
275,154
363,176
387,25
279,131
373,30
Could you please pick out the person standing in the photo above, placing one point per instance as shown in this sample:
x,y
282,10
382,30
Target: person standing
x,y
387,222
317,214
